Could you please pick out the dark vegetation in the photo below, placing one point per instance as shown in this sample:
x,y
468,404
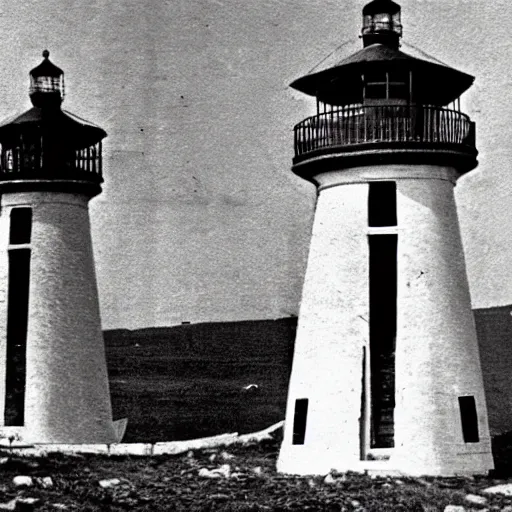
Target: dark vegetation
x,y
173,483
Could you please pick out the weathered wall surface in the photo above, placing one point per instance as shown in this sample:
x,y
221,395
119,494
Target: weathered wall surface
x,y
331,334
437,355
67,393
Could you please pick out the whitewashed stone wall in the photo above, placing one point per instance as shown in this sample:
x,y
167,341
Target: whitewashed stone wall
x,y
437,357
67,393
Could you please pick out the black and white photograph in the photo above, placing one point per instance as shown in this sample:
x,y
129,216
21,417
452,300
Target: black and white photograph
x,y
255,256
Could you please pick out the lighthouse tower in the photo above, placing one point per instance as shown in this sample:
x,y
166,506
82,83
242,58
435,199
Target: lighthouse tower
x,y
386,371
53,375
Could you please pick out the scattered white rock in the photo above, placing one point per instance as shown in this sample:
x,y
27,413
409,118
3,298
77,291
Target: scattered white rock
x,y
45,482
110,482
508,508
190,454
505,489
10,505
27,503
329,479
454,508
4,460
223,471
474,499
226,456
206,473
212,457
257,470
21,480
59,506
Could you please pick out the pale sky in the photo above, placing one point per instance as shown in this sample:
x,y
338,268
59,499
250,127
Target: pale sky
x,y
201,218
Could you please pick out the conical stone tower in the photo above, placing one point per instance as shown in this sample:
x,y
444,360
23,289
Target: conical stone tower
x,y
53,375
386,372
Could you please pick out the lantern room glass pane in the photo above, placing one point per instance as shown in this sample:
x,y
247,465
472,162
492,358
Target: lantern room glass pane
x,y
47,84
397,24
367,23
382,21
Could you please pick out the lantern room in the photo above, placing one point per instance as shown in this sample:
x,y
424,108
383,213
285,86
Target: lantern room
x,y
381,23
46,83
48,143
380,95
386,376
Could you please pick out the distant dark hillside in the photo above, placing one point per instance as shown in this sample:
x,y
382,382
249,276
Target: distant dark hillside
x,y
186,381
494,331
266,340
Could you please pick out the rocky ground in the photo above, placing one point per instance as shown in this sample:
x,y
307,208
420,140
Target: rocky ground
x,y
240,478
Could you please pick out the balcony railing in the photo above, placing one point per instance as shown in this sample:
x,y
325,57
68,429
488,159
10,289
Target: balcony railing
x,y
361,125
33,160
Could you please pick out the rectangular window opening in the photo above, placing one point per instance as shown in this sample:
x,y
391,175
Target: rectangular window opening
x,y
21,226
469,419
363,422
382,326
299,420
382,204
17,322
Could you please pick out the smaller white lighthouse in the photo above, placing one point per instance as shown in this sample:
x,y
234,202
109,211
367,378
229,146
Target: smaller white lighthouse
x,y
53,375
386,371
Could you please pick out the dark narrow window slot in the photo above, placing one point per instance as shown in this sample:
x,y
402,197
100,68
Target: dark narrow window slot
x,y
299,420
383,311
469,419
363,419
17,322
382,204
21,226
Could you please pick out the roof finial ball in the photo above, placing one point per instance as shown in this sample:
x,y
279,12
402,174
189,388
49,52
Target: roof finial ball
x,y
46,84
381,24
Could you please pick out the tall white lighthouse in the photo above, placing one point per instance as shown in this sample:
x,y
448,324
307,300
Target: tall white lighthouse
x,y
386,371
53,375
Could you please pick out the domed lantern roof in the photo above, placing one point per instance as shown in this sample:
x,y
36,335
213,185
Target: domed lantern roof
x,y
46,83
381,23
340,83
345,80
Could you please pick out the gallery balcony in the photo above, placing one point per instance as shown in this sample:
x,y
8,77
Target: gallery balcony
x,y
384,134
27,162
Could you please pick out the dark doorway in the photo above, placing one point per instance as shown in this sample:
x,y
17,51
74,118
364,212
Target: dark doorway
x,y
383,311
17,321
